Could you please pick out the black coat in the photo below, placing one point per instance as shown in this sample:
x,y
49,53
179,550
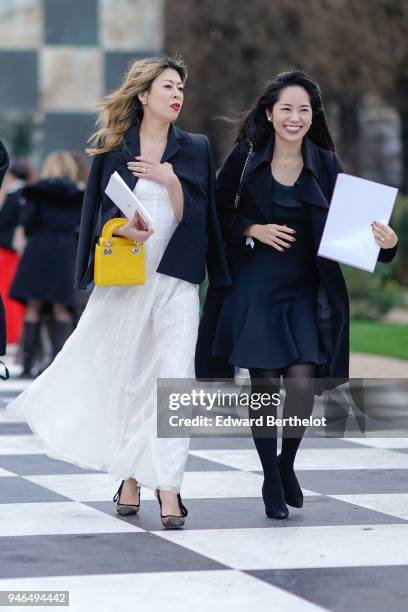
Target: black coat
x,y
197,240
4,163
314,186
9,218
50,216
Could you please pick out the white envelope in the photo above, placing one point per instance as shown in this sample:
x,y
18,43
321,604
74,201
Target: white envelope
x,y
125,199
347,236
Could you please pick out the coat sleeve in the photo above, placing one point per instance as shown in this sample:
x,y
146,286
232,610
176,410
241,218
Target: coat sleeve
x,y
4,161
233,224
216,260
89,216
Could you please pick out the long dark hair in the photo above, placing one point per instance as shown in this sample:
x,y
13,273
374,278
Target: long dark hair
x,y
255,127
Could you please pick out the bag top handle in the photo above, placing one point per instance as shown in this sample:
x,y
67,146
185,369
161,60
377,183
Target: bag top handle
x,y
111,225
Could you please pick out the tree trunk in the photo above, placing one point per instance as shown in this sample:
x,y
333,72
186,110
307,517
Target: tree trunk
x,y
350,132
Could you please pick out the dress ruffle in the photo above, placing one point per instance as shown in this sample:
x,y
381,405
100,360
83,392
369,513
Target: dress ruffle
x,y
269,338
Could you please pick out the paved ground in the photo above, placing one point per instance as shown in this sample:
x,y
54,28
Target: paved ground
x,y
375,366
346,549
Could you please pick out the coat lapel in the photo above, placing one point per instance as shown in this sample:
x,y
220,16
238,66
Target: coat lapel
x,y
307,188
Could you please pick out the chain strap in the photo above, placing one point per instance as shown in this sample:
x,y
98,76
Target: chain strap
x,y
238,194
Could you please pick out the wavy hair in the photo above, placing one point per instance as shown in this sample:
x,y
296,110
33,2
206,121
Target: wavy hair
x,y
254,125
122,108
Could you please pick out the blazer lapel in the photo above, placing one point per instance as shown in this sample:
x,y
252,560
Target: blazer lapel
x,y
307,188
131,149
172,146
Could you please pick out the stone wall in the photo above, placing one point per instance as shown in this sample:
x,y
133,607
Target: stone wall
x,y
59,57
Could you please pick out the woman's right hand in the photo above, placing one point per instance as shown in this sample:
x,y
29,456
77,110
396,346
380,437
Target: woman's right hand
x,y
277,236
135,229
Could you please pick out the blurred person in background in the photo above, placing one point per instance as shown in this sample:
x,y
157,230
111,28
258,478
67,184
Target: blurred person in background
x,y
19,174
81,297
4,164
83,167
45,276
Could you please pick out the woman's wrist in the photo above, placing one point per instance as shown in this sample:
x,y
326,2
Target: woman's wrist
x,y
249,231
171,181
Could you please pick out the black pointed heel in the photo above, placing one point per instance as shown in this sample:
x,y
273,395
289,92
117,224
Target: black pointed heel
x,y
291,488
126,509
171,521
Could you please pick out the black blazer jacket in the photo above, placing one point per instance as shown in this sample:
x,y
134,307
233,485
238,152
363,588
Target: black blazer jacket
x,y
196,242
314,187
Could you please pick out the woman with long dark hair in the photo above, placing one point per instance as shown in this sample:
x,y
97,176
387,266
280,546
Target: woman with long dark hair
x,y
286,313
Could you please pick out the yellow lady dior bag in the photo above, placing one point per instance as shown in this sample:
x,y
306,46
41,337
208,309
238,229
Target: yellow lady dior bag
x,y
118,261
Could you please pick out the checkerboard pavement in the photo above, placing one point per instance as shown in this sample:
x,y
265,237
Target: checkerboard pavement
x,y
347,548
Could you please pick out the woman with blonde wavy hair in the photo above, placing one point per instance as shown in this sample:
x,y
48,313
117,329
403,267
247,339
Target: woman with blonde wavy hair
x,y
45,274
96,405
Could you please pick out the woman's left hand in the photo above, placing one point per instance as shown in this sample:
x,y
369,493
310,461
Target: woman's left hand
x,y
154,171
384,235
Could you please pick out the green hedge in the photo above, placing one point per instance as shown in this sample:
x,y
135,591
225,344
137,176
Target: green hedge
x,y
373,295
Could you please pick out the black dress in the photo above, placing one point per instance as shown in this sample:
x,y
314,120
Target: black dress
x,y
51,217
268,317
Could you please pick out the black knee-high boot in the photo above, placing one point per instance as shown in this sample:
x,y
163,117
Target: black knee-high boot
x,y
299,401
265,440
31,338
60,333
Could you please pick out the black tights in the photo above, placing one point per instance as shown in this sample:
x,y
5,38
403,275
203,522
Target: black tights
x,y
299,400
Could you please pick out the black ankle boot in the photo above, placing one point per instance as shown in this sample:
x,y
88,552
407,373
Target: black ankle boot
x,y
274,500
291,486
31,337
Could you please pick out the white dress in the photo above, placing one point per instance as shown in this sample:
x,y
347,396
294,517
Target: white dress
x,y
95,405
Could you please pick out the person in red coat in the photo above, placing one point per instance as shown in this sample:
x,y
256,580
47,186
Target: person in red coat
x,y
19,173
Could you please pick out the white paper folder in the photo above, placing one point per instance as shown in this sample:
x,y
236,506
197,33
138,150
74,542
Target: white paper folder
x,y
125,199
347,236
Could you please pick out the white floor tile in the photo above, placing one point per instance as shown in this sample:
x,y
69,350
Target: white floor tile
x,y
315,458
218,591
6,473
395,504
299,547
196,485
385,443
57,518
25,444
13,384
224,484
6,417
79,487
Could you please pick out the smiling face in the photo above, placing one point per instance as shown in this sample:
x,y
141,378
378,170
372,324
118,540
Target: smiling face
x,y
165,97
291,115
